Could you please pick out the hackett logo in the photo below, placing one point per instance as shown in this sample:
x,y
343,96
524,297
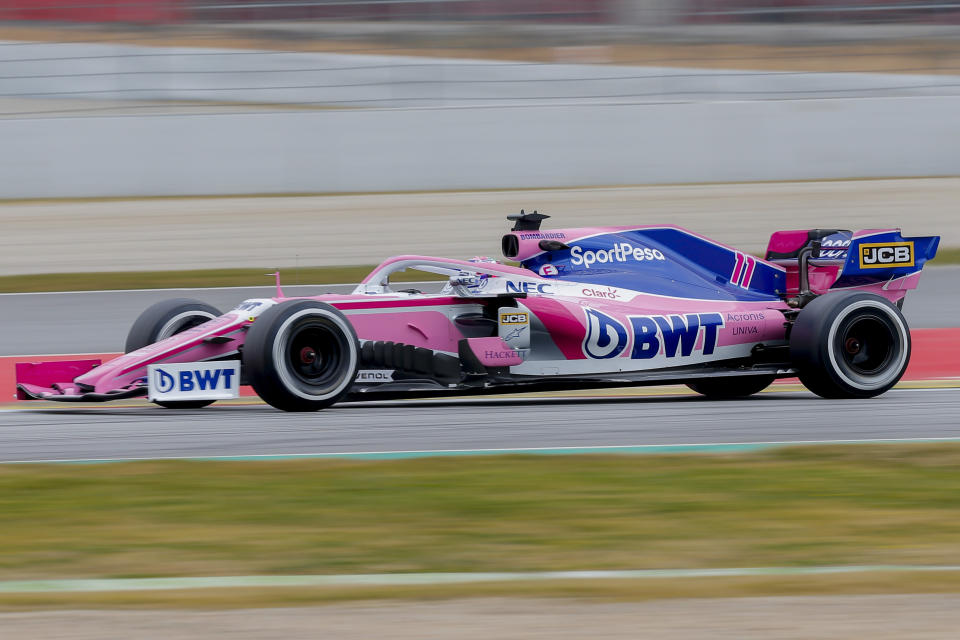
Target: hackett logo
x,y
884,255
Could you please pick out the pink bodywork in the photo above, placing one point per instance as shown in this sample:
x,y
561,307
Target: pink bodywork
x,y
427,321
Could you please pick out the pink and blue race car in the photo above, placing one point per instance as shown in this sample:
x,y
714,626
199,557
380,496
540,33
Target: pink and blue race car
x,y
586,308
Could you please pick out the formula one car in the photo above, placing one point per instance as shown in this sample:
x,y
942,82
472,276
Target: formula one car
x,y
585,308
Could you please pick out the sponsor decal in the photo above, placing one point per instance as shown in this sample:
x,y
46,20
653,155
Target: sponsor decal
x,y
675,335
368,376
249,305
514,327
541,235
474,283
513,334
832,249
194,381
621,252
253,308
745,317
608,293
502,355
529,287
606,337
883,255
743,270
742,331
549,270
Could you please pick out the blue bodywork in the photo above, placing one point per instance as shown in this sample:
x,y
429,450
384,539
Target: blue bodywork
x,y
665,261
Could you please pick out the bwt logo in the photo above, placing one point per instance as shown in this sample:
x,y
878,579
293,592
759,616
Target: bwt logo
x,y
676,335
192,380
606,337
889,254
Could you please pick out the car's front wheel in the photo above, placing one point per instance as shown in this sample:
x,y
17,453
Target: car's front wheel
x,y
301,355
850,345
168,318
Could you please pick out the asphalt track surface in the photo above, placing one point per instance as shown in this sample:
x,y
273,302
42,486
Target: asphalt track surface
x,y
72,433
98,322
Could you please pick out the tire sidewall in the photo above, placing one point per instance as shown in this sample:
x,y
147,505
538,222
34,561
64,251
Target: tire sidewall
x,y
265,356
815,351
161,320
892,371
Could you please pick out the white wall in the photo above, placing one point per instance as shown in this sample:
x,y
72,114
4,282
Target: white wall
x,y
467,148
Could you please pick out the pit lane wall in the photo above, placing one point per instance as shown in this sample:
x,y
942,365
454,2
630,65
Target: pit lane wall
x,y
362,150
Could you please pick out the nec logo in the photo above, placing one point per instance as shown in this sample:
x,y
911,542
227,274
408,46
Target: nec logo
x,y
879,255
529,287
195,380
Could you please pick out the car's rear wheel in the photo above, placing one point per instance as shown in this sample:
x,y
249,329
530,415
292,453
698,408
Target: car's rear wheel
x,y
850,345
165,319
301,355
725,387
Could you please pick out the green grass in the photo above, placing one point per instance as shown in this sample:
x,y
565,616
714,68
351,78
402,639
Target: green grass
x,y
947,255
192,278
790,507
233,277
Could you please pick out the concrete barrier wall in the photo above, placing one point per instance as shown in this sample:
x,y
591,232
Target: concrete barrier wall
x,y
470,148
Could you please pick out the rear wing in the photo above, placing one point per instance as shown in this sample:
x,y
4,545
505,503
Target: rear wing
x,y
878,260
885,256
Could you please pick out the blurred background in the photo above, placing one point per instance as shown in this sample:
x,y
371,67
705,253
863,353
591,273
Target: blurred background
x,y
133,98
373,95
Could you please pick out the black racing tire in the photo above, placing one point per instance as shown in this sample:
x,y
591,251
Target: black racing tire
x,y
301,355
168,318
850,345
725,387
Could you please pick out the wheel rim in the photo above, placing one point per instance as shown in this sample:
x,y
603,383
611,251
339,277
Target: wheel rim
x,y
313,355
868,347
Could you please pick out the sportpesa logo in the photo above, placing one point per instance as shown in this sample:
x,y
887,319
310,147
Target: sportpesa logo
x,y
621,252
883,255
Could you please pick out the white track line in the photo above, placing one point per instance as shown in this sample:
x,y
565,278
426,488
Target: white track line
x,y
718,447
410,579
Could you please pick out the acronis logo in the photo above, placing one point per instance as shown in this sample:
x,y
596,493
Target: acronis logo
x,y
675,335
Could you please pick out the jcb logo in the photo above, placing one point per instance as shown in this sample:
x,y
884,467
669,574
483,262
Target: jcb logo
x,y
886,254
514,318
